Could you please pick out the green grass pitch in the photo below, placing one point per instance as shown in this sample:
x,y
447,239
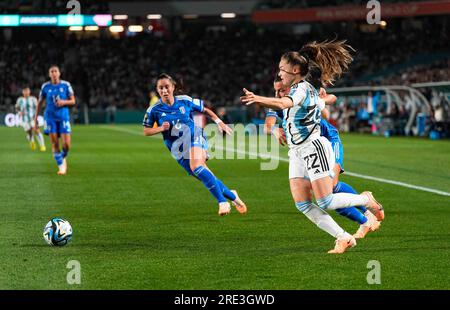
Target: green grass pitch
x,y
141,223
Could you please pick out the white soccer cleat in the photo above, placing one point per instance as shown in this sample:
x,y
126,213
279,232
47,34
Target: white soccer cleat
x,y
224,208
239,204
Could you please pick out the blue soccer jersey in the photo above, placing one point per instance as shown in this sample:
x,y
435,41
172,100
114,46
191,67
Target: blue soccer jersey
x,y
332,134
51,93
329,131
179,115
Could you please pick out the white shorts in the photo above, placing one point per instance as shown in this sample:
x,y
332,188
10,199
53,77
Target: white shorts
x,y
312,161
27,126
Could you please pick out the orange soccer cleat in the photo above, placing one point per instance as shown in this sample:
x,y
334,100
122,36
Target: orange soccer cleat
x,y
374,206
343,243
239,204
372,225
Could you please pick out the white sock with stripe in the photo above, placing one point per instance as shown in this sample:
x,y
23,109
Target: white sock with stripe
x,y
342,200
321,218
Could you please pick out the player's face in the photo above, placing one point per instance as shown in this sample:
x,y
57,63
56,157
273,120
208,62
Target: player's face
x,y
287,72
280,89
26,92
165,89
54,73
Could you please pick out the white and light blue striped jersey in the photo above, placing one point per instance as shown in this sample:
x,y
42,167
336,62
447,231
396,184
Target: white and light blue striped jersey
x,y
302,121
27,107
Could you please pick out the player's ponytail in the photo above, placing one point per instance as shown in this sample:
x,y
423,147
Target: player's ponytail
x,y
332,58
314,76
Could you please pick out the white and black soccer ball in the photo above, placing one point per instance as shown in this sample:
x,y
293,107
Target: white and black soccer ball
x,y
57,232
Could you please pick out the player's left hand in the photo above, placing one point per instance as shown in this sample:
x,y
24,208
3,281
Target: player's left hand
x,y
60,102
225,128
248,98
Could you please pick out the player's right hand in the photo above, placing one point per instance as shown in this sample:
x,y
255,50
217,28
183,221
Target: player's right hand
x,y
165,126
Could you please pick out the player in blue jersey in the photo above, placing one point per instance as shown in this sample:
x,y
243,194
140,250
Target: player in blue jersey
x,y
366,220
311,158
58,96
187,142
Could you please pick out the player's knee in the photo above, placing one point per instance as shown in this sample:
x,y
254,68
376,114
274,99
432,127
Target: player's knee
x,y
303,206
195,164
325,202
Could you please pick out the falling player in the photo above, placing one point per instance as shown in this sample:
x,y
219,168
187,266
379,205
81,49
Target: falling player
x,y
311,158
366,220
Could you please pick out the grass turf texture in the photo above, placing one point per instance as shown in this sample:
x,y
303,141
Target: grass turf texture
x,y
140,223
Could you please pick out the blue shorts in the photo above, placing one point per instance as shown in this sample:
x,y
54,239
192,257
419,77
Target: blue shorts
x,y
199,141
338,153
55,126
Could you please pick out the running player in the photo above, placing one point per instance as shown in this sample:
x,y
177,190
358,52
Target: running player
x,y
185,141
26,107
58,96
311,158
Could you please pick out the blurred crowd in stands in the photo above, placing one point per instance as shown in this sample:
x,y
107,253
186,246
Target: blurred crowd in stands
x,y
216,62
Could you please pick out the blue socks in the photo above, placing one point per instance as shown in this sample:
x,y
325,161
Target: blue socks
x,y
64,153
209,180
355,214
225,191
58,158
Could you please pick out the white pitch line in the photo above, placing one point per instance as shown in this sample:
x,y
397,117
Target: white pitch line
x,y
268,156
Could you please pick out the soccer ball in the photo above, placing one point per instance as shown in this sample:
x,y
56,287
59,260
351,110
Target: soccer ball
x,y
57,232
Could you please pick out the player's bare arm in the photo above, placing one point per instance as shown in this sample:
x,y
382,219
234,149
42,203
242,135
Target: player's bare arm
x,y
222,126
268,102
150,131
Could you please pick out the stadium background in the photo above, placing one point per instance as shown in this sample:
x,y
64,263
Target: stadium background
x,y
113,74
128,235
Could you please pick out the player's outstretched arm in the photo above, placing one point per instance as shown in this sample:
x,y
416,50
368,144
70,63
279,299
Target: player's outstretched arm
x,y
327,98
150,131
222,126
268,102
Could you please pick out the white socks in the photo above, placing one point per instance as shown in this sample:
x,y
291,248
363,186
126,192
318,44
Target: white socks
x,y
40,139
342,200
321,218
